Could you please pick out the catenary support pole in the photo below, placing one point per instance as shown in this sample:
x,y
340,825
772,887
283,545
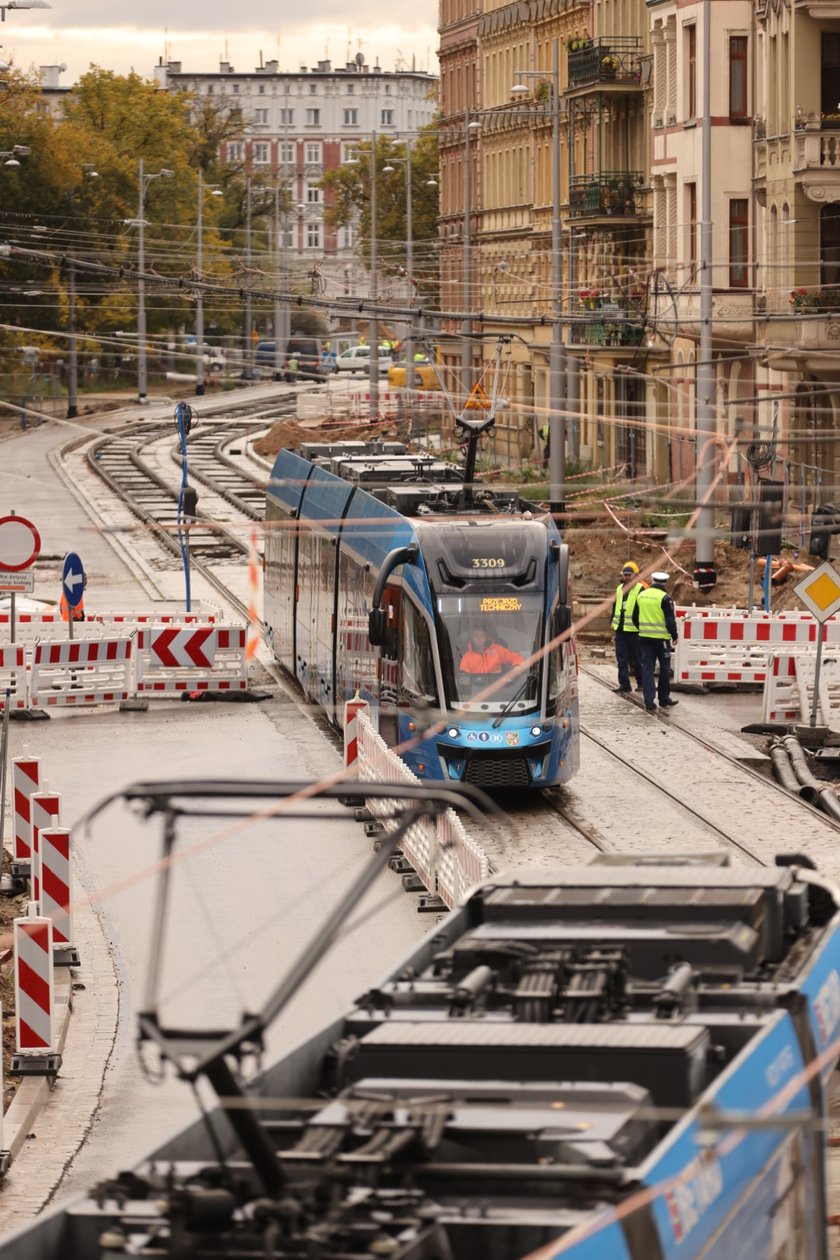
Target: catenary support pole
x,y
705,420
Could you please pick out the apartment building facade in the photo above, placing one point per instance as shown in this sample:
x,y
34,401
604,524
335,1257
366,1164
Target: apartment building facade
x,y
296,126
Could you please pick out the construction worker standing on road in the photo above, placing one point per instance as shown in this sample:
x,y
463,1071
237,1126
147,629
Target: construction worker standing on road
x,y
627,654
657,623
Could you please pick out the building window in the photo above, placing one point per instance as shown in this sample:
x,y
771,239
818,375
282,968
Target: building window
x,y
691,220
313,88
235,151
387,89
210,89
691,71
348,150
738,242
313,236
286,153
347,236
351,88
313,153
737,76
236,89
351,118
259,153
387,118
287,117
261,90
313,194
261,117
313,118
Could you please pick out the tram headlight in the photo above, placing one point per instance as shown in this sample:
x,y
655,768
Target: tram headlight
x,y
453,732
536,730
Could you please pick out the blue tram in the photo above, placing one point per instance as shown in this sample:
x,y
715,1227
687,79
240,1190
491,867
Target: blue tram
x,y
384,569
625,1061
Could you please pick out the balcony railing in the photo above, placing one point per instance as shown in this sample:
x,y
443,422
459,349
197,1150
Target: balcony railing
x,y
608,193
605,323
606,60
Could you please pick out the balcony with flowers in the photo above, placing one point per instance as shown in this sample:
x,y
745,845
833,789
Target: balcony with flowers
x,y
607,195
608,63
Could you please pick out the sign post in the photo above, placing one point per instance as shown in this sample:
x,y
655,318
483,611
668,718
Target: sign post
x,y
72,584
820,593
20,546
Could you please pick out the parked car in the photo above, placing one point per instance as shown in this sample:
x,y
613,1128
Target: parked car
x,y
357,359
307,351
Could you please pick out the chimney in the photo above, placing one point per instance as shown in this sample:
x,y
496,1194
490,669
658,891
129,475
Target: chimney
x,y
272,67
50,75
225,67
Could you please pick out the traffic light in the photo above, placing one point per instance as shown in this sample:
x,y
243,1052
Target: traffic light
x,y
740,527
770,517
190,503
825,521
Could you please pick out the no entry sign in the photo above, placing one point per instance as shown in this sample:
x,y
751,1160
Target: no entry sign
x,y
20,544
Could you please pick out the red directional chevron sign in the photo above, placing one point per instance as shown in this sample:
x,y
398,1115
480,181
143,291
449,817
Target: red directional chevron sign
x,y
193,648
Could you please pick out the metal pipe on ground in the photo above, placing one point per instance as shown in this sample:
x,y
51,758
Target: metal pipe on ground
x,y
809,788
782,769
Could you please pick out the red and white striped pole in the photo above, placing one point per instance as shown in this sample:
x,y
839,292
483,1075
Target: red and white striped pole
x,y
25,782
46,808
54,847
352,709
34,996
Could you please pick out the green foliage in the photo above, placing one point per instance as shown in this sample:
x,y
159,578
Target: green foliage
x,y
348,201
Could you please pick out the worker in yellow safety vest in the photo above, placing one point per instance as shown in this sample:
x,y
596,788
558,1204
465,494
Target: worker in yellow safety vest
x,y
627,655
657,624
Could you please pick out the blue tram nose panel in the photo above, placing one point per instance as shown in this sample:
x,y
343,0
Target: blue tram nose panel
x,y
535,753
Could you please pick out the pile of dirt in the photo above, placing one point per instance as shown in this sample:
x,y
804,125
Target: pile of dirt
x,y
287,434
598,554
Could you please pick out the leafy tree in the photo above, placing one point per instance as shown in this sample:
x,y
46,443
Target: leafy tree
x,y
348,201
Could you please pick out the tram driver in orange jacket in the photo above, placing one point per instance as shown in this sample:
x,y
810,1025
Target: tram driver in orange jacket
x,y
482,657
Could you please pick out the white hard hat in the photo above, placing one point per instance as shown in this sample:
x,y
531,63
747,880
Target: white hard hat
x,y
659,576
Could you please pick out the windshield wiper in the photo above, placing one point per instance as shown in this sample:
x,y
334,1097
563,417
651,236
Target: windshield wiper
x,y
516,695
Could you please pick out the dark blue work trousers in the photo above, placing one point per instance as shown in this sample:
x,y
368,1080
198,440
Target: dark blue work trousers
x,y
628,658
654,650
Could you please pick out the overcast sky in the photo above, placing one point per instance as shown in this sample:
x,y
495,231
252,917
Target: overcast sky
x,y
196,32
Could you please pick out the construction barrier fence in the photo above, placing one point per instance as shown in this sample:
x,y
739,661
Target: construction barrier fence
x,y
445,857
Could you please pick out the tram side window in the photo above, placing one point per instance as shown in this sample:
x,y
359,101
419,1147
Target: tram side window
x,y
418,671
557,655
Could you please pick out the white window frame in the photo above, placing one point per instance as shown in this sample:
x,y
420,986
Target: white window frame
x,y
261,117
314,229
286,155
261,153
313,117
313,153
351,118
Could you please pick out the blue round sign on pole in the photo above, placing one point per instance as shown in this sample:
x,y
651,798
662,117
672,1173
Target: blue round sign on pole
x,y
73,579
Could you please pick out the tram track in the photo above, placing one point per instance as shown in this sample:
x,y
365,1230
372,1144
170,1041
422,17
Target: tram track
x,y
559,826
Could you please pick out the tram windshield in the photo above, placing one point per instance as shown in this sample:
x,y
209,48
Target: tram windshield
x,y
483,638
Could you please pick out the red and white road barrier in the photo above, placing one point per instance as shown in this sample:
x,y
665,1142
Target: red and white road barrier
x,y
789,688
737,649
25,783
174,659
54,855
13,676
34,985
352,709
76,673
46,813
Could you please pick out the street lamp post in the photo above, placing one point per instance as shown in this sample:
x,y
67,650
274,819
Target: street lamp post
x,y
281,308
90,172
373,322
199,302
142,373
557,416
466,322
409,251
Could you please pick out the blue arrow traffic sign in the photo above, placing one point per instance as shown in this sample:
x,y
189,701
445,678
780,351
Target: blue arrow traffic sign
x,y
73,579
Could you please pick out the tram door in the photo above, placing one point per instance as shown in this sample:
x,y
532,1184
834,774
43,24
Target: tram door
x,y
389,667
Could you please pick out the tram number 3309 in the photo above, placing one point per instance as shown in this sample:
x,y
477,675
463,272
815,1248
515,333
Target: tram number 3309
x,y
487,562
